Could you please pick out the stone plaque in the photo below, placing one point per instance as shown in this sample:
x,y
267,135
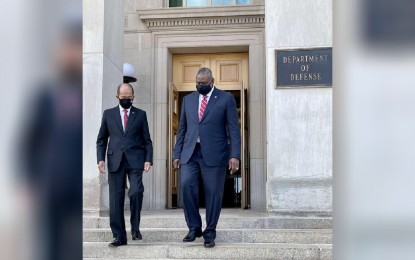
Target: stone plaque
x,y
304,67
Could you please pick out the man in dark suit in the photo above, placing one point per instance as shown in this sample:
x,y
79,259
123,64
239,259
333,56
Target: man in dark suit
x,y
208,140
130,151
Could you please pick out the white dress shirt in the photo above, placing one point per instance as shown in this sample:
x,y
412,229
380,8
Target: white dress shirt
x,y
201,98
200,103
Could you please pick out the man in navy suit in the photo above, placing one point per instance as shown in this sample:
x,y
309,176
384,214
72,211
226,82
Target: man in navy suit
x,y
208,141
129,152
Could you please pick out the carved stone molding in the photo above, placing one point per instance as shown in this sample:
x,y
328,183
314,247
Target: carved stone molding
x,y
206,23
203,18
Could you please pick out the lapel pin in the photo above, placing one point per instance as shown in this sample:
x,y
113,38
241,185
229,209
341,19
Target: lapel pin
x,y
216,97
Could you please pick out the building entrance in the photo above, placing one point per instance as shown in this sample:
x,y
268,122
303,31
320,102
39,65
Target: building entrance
x,y
230,71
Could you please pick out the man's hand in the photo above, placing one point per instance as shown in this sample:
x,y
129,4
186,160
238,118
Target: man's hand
x,y
101,167
176,164
233,165
147,166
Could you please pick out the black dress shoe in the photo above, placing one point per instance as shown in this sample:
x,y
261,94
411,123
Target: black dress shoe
x,y
137,235
191,236
118,242
209,243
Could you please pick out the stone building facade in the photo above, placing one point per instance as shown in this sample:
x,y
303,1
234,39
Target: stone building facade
x,y
287,132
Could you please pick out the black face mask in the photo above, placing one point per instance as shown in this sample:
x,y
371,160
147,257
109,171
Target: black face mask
x,y
203,89
126,103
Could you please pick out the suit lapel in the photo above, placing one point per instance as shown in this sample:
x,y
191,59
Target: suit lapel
x,y
212,100
117,117
132,116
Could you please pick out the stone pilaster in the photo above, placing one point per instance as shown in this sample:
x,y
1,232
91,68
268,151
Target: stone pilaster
x,y
102,72
299,121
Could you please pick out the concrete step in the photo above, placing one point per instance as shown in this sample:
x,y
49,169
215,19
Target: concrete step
x,y
299,236
231,222
195,250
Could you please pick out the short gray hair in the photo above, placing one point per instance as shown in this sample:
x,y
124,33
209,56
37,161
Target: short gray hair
x,y
205,70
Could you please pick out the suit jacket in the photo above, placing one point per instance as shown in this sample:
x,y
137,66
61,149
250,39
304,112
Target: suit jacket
x,y
135,142
219,133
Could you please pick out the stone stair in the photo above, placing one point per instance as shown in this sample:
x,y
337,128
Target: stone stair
x,y
241,234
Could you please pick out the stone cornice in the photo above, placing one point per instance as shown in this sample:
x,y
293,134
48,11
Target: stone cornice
x,y
203,18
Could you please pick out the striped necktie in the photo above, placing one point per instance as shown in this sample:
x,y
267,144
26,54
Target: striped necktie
x,y
202,107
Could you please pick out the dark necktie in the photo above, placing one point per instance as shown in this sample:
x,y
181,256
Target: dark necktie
x,y
125,118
